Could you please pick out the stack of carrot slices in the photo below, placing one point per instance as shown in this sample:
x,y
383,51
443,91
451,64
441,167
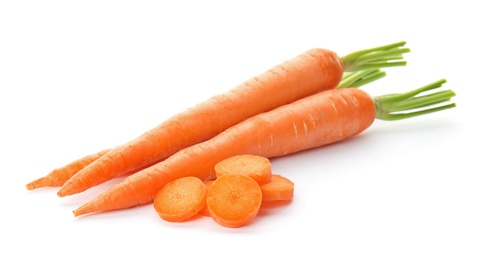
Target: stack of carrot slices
x,y
233,199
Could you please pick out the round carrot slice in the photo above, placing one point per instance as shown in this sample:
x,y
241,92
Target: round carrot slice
x,y
180,199
279,188
234,200
257,167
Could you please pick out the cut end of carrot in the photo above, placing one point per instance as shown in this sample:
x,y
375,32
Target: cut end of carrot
x,y
234,200
256,167
180,199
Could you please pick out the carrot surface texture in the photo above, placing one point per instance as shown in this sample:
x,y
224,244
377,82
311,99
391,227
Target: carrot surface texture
x,y
204,211
59,176
181,199
311,72
323,118
257,167
278,188
234,200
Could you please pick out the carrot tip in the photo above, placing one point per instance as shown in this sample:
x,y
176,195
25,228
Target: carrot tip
x,y
65,191
39,183
61,194
80,211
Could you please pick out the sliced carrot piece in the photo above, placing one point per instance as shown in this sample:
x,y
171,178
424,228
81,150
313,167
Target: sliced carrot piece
x,y
205,211
279,188
256,167
180,199
234,200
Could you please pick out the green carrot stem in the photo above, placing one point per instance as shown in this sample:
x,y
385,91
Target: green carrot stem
x,y
393,54
408,104
400,116
423,101
374,58
379,65
393,98
360,78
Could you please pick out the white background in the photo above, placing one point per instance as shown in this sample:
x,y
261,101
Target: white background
x,y
80,76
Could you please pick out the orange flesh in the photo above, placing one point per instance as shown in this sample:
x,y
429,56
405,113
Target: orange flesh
x,y
256,167
180,199
234,200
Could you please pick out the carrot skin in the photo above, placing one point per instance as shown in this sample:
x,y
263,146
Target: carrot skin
x,y
308,73
59,176
205,211
321,119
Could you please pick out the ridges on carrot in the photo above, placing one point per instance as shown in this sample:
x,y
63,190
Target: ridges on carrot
x,y
313,71
326,117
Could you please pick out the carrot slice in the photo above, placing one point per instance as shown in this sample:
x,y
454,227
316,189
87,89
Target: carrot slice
x,y
234,200
256,167
279,188
180,199
205,211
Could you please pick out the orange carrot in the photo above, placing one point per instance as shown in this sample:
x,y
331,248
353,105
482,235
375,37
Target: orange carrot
x,y
256,167
59,176
308,73
180,199
234,200
205,211
324,118
279,188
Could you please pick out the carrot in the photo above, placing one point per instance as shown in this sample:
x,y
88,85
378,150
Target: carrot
x,y
323,118
234,200
180,199
279,188
256,167
308,73
59,176
205,211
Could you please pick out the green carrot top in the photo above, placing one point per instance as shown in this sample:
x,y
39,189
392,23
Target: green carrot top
x,y
411,103
402,105
375,58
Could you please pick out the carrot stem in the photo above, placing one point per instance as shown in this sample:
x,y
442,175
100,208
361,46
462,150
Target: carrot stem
x,y
375,58
360,78
410,104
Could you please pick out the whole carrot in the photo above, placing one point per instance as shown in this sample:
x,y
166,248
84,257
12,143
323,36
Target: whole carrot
x,y
308,73
323,118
